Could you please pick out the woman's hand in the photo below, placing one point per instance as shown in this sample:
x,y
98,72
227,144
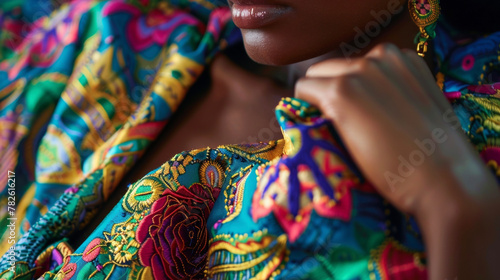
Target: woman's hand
x,y
405,138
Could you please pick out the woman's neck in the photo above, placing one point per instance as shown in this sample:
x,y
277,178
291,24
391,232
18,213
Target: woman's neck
x,y
400,32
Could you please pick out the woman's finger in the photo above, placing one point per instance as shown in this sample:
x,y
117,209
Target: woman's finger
x,y
361,124
429,85
405,75
331,68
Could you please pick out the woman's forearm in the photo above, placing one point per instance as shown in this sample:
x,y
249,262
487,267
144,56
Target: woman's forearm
x,y
461,237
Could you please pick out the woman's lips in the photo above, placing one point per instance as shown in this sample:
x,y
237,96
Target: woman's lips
x,y
253,16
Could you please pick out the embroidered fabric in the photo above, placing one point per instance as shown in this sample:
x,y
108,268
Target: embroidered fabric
x,y
297,208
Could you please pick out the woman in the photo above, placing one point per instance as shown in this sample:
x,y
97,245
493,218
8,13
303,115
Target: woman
x,y
299,208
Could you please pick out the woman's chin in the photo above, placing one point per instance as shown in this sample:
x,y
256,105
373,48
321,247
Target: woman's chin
x,y
279,49
265,58
269,49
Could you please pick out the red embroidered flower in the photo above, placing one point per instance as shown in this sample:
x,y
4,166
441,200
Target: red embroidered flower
x,y
173,236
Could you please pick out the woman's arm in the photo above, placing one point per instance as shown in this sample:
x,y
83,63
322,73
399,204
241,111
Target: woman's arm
x,y
462,238
405,138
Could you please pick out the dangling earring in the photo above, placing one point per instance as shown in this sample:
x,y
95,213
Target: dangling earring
x,y
425,14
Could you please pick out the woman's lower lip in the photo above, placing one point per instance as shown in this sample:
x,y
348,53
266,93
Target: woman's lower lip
x,y
257,16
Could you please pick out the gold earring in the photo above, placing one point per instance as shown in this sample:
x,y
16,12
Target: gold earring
x,y
425,14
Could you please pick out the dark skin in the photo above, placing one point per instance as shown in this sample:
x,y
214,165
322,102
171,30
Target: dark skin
x,y
453,195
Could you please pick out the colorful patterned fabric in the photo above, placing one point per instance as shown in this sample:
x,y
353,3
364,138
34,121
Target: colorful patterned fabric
x,y
297,208
85,87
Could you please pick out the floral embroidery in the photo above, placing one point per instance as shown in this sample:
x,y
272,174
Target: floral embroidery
x,y
314,174
261,255
308,214
53,256
176,166
257,152
174,234
142,194
68,269
392,254
212,172
233,195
